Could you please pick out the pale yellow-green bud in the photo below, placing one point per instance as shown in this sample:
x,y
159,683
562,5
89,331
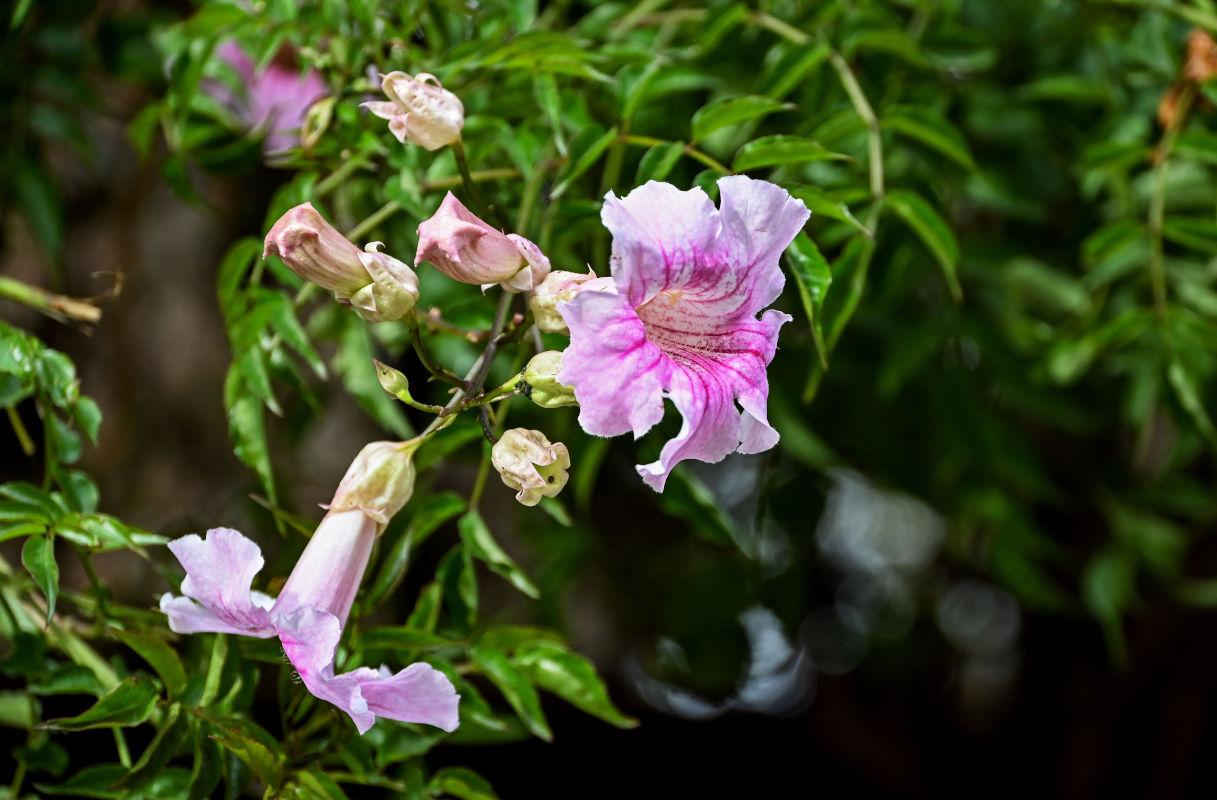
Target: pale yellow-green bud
x,y
540,381
379,481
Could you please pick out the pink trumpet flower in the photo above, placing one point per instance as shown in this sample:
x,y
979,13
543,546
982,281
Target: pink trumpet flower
x,y
308,617
682,325
275,100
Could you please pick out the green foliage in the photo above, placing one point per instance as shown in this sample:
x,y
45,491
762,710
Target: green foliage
x,y
1007,307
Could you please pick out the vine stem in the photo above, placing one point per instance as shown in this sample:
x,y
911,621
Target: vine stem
x,y
477,373
1157,201
331,181
689,150
23,435
475,194
49,303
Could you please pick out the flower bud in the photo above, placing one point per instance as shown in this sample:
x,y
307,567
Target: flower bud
x,y
393,381
379,481
540,379
466,249
420,109
315,250
378,286
393,290
528,463
560,286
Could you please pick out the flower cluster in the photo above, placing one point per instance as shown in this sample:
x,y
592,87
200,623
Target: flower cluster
x,y
675,319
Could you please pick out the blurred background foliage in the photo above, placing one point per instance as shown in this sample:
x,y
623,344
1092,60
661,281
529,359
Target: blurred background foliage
x,y
983,542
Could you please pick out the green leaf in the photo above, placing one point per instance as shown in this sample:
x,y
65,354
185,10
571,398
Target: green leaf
x,y
283,321
1108,588
319,786
933,231
790,75
772,151
160,656
1188,392
256,748
435,511
1196,233
586,149
1067,88
515,688
892,41
573,678
658,161
58,376
824,204
353,363
545,88
87,414
15,530
39,197
813,276
928,127
732,111
460,782
1197,145
425,615
164,746
246,429
38,556
69,679
477,538
31,495
208,768
17,710
404,639
233,268
129,703
92,781
455,574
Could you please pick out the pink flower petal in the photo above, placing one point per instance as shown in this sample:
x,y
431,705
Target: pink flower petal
x,y
759,221
219,572
660,236
418,693
617,374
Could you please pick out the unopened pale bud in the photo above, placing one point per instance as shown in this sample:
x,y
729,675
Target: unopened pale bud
x,y
541,385
466,249
379,481
420,109
528,463
393,290
561,286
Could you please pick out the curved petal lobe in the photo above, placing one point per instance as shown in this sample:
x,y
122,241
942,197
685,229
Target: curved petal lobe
x,y
219,572
418,693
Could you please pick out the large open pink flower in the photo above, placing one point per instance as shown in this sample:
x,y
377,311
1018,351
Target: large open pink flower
x,y
690,280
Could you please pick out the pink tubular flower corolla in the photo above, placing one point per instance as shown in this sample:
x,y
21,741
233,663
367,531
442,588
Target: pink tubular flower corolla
x,y
275,100
308,617
682,324
465,248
